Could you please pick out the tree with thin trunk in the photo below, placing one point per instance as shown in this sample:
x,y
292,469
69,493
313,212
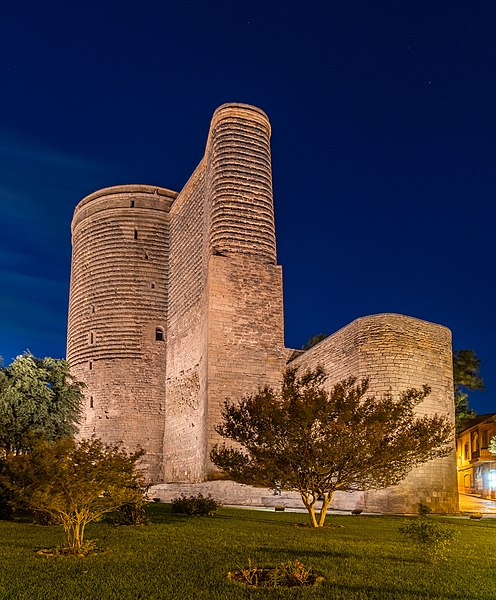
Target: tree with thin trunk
x,y
75,483
314,441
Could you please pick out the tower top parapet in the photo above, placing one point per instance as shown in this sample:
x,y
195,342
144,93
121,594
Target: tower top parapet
x,y
239,110
121,196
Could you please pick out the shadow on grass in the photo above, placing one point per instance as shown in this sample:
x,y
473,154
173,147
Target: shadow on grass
x,y
304,553
388,592
325,553
162,512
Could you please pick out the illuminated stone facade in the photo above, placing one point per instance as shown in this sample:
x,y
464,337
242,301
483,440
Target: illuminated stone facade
x,y
476,464
176,304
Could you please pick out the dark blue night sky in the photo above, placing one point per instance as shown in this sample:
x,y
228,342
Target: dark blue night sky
x,y
384,127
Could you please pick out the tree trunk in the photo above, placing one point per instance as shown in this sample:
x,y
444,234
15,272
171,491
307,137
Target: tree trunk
x,y
325,505
309,505
74,531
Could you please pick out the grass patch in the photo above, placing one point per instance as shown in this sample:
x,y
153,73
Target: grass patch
x,y
179,557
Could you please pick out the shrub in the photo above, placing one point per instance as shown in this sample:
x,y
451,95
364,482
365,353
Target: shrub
x,y
424,509
75,483
43,518
430,537
7,500
195,505
131,513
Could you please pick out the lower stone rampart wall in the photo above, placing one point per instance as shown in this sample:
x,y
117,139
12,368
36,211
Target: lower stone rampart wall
x,y
397,352
237,494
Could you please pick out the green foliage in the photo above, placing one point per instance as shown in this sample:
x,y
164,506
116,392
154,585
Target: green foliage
x,y
73,483
131,513
423,509
432,538
38,398
7,496
313,341
466,376
195,505
316,442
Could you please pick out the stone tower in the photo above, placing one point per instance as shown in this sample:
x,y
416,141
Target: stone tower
x,y
176,305
118,314
176,299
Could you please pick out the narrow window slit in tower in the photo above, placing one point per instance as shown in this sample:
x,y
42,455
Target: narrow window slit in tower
x,y
92,338
135,234
159,334
153,286
90,365
132,203
91,402
146,255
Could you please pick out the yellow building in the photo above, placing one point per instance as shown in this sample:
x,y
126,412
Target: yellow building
x,y
476,465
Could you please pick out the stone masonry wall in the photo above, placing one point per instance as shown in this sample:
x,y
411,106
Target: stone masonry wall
x,y
186,382
176,305
118,299
225,321
398,352
245,312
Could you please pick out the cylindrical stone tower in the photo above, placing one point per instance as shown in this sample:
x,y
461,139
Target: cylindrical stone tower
x,y
245,310
240,183
118,313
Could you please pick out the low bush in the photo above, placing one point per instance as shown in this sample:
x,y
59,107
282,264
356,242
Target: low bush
x,y
195,505
131,513
6,504
430,537
7,496
424,509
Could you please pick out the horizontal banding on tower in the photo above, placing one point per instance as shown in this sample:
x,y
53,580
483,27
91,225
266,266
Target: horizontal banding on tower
x,y
121,196
240,183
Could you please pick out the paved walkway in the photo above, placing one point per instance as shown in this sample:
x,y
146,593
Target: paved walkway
x,y
476,504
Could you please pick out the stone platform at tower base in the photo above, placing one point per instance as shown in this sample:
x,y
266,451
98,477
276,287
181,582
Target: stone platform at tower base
x,y
237,494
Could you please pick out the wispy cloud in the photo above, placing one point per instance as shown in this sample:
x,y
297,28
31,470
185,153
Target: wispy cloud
x,y
39,187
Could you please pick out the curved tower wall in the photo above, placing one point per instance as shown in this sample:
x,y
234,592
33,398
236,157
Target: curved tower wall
x,y
240,183
397,352
117,310
245,310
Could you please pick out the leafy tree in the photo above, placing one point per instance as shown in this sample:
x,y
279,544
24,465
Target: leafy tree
x,y
466,376
37,396
74,483
306,439
313,341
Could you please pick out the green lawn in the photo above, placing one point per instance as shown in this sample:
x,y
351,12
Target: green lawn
x,y
188,557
